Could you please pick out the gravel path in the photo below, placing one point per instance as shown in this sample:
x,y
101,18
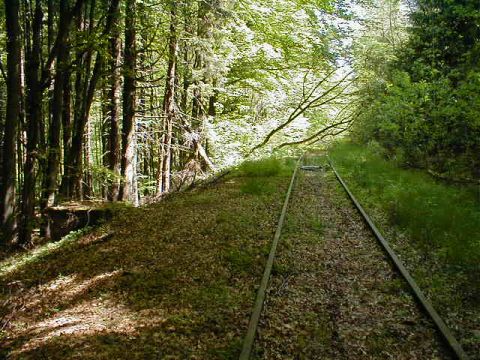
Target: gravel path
x,y
333,294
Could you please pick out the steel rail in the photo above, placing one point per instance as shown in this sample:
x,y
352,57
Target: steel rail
x,y
442,327
259,300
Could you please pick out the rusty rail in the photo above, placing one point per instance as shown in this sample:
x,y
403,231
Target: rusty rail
x,y
257,308
417,292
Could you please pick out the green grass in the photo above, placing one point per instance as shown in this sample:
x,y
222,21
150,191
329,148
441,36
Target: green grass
x,y
438,217
257,174
240,260
256,186
15,262
318,226
264,167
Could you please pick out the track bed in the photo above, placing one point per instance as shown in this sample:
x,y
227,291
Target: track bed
x,y
333,293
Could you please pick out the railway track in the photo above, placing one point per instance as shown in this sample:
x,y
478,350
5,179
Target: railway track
x,y
440,325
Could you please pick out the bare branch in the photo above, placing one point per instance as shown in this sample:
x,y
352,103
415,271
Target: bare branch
x,y
304,105
317,134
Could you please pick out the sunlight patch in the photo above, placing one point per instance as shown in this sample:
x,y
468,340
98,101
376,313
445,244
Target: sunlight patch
x,y
88,318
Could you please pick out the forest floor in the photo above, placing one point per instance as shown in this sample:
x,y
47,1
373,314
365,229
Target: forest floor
x,y
177,280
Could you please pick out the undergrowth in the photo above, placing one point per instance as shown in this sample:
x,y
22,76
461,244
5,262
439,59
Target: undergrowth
x,y
260,168
258,174
432,225
437,216
176,279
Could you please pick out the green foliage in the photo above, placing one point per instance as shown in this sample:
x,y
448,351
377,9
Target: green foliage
x,y
104,174
240,260
423,107
432,125
443,40
256,186
261,168
440,218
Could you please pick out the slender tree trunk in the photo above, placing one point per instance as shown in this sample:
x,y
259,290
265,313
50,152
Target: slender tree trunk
x,y
34,118
104,137
76,152
114,107
54,149
87,184
82,64
7,190
163,180
128,189
67,116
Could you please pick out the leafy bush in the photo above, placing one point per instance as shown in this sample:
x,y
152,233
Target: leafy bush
x,y
433,125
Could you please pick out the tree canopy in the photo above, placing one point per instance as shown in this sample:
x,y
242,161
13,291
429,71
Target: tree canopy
x,y
127,100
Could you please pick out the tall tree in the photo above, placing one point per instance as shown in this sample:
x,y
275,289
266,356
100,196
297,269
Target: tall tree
x,y
128,189
76,150
54,132
34,118
7,190
163,178
83,59
114,106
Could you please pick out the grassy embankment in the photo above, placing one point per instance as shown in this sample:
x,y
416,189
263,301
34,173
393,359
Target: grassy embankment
x,y
176,280
435,227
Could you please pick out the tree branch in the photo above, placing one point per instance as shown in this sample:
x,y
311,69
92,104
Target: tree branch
x,y
317,134
62,34
304,105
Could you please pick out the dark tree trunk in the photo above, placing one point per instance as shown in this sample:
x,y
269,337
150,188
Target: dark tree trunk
x,y
76,153
54,131
114,107
82,64
34,118
211,103
67,115
128,169
50,16
163,179
7,189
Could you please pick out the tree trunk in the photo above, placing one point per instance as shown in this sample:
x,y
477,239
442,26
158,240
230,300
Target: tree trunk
x,y
87,183
163,179
82,64
76,152
128,189
7,190
114,108
67,116
34,118
53,162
